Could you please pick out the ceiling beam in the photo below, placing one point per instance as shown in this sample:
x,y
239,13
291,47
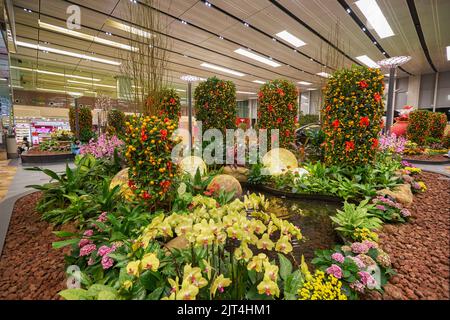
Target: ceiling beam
x,y
423,43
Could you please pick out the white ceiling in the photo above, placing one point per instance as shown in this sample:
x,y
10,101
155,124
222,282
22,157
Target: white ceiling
x,y
199,41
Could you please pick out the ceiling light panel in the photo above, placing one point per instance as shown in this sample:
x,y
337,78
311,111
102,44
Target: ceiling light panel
x,y
367,61
66,53
448,53
304,83
258,81
219,68
130,29
323,74
257,57
375,17
84,36
288,37
92,84
54,73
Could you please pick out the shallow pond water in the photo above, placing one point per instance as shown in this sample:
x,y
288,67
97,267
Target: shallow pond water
x,y
313,219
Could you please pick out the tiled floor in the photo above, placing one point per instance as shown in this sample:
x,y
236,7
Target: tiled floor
x,y
7,173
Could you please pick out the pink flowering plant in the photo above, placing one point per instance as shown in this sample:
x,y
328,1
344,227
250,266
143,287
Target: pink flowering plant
x,y
389,210
360,266
103,147
392,143
104,243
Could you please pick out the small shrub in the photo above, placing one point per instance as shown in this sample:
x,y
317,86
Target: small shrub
x,y
438,122
419,126
278,109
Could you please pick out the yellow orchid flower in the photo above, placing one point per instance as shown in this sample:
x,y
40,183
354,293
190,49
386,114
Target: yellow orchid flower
x,y
283,245
205,238
258,226
194,276
156,221
257,262
187,292
133,268
270,271
304,269
184,227
165,229
207,268
234,232
265,242
127,284
268,287
243,252
150,262
219,284
174,285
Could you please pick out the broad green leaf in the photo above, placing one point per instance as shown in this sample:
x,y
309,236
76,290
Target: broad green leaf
x,y
285,266
68,242
74,294
106,295
156,294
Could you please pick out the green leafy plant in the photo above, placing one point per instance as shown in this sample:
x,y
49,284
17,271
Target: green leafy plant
x,y
355,216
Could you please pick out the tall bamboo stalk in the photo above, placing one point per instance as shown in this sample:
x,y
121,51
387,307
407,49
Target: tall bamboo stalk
x,y
146,66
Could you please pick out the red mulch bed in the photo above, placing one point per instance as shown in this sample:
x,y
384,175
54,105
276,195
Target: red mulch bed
x,y
420,249
30,269
431,158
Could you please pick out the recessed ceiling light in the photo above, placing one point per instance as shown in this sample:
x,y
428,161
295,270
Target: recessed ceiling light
x,y
180,90
448,53
86,36
305,83
3,79
323,74
219,68
130,29
257,57
387,75
311,89
367,61
375,17
67,53
288,37
92,84
245,92
55,73
258,81
60,91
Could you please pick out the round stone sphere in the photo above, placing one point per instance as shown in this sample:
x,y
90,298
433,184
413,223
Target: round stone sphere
x,y
190,164
121,179
279,160
226,183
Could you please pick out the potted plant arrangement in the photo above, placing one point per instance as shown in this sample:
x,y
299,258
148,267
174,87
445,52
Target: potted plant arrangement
x,y
401,122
